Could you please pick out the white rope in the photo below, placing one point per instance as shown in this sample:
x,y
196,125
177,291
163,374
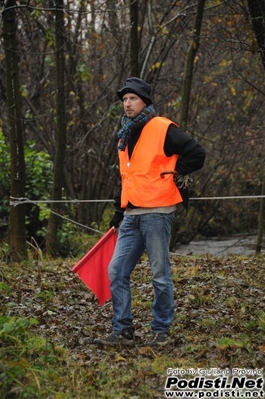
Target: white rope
x,y
14,201
230,197
23,200
73,221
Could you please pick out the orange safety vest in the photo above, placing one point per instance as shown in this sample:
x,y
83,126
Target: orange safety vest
x,y
142,184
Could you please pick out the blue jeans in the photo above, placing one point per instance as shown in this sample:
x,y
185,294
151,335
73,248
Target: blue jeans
x,y
149,231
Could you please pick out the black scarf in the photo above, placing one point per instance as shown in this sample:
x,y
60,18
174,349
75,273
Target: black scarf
x,y
129,125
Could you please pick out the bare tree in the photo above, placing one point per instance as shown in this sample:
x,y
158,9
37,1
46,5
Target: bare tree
x,y
257,14
189,65
58,177
135,69
17,239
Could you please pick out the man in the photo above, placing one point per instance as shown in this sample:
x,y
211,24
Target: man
x,y
152,152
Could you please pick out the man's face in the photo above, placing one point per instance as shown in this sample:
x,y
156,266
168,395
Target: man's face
x,y
132,104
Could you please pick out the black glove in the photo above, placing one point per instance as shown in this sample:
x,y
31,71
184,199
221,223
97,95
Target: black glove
x,y
116,219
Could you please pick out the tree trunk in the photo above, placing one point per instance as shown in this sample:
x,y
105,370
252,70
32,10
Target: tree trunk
x,y
58,178
17,236
135,70
261,218
189,65
257,13
186,87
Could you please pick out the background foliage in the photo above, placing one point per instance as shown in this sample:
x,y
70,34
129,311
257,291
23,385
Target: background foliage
x,y
226,106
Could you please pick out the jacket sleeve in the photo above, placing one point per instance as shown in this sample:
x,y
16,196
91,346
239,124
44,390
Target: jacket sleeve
x,y
191,153
117,200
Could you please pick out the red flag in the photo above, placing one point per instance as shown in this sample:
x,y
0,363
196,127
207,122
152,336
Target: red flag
x,y
93,267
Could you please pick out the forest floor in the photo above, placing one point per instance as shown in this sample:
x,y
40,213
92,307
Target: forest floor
x,y
219,324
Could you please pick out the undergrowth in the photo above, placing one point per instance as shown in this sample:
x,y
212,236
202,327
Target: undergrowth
x,y
49,320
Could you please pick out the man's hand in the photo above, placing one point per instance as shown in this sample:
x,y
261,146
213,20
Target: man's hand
x,y
116,219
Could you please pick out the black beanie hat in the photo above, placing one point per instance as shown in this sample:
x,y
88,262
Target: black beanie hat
x,y
137,86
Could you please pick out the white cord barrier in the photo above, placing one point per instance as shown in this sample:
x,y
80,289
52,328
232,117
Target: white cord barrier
x,y
230,197
14,201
